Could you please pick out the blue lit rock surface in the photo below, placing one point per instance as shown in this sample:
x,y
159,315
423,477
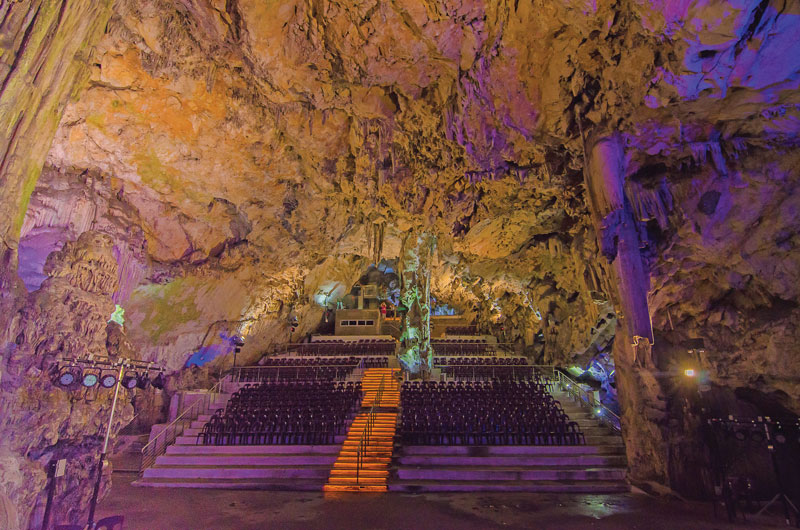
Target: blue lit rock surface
x,y
245,157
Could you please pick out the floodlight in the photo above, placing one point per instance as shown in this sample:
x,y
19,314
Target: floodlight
x,y
90,379
108,380
159,381
69,375
130,381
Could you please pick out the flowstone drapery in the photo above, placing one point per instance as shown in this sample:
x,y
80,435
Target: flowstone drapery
x,y
415,296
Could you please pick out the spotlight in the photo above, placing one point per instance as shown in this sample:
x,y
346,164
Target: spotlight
x,y
90,379
158,382
130,381
108,380
688,372
69,375
143,382
598,411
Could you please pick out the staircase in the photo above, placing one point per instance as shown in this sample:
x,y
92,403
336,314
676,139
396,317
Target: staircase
x,y
597,467
364,461
266,467
391,392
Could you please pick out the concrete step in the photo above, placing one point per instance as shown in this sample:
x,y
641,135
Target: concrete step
x,y
252,449
192,440
258,472
500,450
483,473
368,472
243,484
360,488
244,460
588,487
513,460
371,463
360,480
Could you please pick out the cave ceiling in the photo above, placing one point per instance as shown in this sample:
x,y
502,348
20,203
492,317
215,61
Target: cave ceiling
x,y
245,153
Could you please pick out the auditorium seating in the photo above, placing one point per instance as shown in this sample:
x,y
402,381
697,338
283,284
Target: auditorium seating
x,y
476,361
338,348
487,368
484,413
460,330
461,347
284,413
257,374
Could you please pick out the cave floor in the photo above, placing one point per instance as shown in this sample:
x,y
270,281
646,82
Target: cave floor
x,y
185,509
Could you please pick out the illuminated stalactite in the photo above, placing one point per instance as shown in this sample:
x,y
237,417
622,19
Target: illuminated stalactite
x,y
639,392
415,295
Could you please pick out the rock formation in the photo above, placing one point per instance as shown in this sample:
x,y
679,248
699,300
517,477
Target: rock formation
x,y
582,166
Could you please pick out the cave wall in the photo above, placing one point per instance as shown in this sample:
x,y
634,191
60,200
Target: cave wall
x,y
242,155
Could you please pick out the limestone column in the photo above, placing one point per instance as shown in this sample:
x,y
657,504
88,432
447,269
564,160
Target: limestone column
x,y
415,293
618,238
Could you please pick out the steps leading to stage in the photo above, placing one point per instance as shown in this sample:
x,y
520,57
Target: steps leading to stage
x,y
373,474
391,389
597,467
269,467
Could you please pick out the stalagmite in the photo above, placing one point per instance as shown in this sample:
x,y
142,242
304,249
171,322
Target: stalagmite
x,y
618,239
415,296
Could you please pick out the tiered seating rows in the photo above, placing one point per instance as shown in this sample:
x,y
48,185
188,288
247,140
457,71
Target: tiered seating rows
x,y
284,413
352,361
337,348
314,361
490,413
461,347
257,374
474,361
460,330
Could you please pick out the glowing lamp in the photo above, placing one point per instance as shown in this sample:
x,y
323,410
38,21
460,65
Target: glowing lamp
x,y
69,375
689,372
598,411
108,380
90,379
130,381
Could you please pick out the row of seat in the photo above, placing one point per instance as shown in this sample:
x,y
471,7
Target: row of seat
x,y
473,361
310,361
484,413
293,373
461,348
487,373
460,330
284,413
346,348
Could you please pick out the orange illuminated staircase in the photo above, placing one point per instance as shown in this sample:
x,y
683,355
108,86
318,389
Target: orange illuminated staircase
x,y
370,383
363,463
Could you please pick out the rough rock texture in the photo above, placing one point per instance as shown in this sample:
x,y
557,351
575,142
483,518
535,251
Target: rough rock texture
x,y
249,159
66,317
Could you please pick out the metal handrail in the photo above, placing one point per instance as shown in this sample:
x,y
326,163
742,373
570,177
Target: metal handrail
x,y
158,445
586,398
363,443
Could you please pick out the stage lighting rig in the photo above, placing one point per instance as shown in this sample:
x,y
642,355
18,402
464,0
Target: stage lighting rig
x,y
109,373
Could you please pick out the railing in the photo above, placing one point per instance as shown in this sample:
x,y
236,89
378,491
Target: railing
x,y
479,372
587,398
244,374
158,445
451,348
551,375
363,443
